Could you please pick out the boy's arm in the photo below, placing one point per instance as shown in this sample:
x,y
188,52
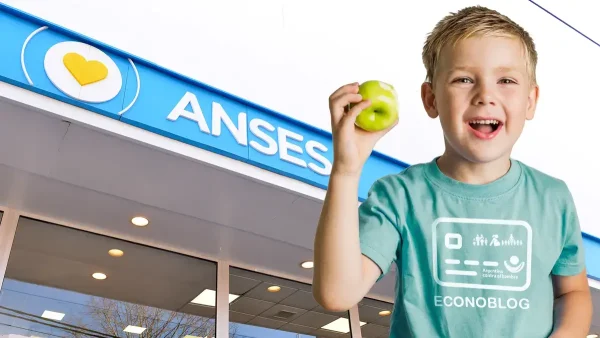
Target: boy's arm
x,y
342,275
354,247
572,297
572,306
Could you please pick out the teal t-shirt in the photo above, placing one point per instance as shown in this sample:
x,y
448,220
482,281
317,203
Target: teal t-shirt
x,y
472,260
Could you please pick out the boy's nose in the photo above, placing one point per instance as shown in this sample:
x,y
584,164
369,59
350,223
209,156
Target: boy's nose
x,y
484,97
485,100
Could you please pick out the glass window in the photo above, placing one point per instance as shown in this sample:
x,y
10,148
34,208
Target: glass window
x,y
375,318
268,307
62,282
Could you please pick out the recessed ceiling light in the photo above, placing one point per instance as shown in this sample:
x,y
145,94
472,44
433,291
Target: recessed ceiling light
x,y
592,336
341,325
139,221
307,264
115,252
134,329
385,313
53,315
99,275
209,297
274,288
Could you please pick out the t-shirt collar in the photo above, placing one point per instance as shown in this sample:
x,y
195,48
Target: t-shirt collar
x,y
476,191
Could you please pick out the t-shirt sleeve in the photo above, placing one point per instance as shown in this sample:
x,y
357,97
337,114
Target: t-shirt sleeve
x,y
571,260
378,225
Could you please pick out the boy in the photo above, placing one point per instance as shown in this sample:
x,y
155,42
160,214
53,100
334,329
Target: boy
x,y
485,246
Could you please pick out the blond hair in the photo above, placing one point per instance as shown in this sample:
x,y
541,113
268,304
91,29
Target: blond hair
x,y
474,21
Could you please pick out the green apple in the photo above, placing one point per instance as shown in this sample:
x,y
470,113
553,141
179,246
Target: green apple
x,y
383,111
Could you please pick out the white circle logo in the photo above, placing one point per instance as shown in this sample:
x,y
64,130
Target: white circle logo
x,y
83,72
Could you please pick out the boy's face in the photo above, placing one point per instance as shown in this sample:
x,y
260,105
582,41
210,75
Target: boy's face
x,y
483,95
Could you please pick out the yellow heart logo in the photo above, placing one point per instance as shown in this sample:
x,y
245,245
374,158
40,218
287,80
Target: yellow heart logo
x,y
84,71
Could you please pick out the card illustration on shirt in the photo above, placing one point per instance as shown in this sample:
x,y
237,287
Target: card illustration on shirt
x,y
482,253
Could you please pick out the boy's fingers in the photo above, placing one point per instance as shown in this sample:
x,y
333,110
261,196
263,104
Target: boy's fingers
x,y
338,106
348,88
359,107
346,99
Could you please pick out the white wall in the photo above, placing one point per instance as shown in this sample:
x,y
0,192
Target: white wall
x,y
289,56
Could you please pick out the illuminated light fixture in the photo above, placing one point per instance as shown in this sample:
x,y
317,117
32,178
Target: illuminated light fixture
x,y
115,252
307,264
53,315
274,288
385,313
592,336
134,329
594,284
209,297
341,325
99,275
139,221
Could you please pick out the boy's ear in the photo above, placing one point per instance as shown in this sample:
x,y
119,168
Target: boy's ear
x,y
428,98
534,95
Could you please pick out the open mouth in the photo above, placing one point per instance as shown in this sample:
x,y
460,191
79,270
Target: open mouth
x,y
485,128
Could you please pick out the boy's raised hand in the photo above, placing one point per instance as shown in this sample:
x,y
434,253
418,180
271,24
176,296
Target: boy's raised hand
x,y
352,146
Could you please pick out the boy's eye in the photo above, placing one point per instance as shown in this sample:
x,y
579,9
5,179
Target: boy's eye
x,y
463,80
507,81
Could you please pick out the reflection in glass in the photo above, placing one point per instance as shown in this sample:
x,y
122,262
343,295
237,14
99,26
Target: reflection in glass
x,y
50,291
27,309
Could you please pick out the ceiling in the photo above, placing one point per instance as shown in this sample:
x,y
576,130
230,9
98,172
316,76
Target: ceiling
x,y
66,258
86,178
294,309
